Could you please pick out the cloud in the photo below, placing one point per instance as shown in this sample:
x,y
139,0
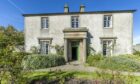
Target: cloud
x,y
136,40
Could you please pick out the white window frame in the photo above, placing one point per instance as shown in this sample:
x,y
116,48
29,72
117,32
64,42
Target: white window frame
x,y
109,43
75,21
48,43
107,23
44,22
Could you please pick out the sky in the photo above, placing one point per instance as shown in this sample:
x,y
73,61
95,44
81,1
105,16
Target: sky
x,y
11,10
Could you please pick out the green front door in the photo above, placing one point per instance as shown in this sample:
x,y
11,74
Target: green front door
x,y
75,50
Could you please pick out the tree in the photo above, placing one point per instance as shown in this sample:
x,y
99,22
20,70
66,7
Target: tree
x,y
11,36
10,61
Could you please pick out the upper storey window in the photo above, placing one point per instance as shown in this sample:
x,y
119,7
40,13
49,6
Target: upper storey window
x,y
107,21
74,21
44,23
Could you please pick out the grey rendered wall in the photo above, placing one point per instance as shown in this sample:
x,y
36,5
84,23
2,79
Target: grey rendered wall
x,y
122,29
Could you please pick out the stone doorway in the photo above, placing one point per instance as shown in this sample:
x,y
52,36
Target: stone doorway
x,y
75,50
76,37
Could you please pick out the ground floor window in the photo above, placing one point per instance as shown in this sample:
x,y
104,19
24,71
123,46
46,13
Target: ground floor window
x,y
107,47
44,47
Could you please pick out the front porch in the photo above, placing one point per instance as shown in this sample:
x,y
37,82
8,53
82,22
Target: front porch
x,y
75,44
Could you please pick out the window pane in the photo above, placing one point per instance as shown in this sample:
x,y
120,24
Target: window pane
x,y
107,21
105,18
74,22
107,47
77,24
108,24
104,47
44,47
109,17
44,22
104,23
77,19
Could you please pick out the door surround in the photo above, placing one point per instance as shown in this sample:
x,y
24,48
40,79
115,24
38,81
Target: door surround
x,y
75,34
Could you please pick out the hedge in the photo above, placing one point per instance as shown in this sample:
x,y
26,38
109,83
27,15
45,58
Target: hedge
x,y
39,61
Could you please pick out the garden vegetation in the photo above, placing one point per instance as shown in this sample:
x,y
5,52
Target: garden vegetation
x,y
38,61
118,63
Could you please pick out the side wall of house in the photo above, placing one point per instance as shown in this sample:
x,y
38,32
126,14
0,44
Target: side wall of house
x,y
122,29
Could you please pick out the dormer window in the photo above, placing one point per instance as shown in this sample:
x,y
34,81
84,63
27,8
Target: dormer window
x,y
44,23
74,21
108,21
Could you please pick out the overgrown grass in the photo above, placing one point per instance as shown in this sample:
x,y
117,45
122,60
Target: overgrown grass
x,y
62,76
120,63
92,60
133,57
82,76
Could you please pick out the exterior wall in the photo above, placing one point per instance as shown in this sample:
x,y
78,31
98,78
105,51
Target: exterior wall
x,y
122,29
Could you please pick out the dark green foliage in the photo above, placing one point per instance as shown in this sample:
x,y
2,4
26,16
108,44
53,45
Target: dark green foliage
x,y
10,61
137,53
43,61
10,36
92,60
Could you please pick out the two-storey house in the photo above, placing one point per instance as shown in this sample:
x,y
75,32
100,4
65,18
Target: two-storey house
x,y
106,32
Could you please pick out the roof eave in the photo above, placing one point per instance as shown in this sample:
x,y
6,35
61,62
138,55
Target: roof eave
x,y
90,12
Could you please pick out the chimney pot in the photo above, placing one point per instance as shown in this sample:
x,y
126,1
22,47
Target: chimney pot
x,y
82,8
66,8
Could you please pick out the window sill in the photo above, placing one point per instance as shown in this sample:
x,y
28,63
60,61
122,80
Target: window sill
x,y
75,27
107,27
45,28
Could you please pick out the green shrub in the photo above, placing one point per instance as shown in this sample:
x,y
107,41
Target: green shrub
x,y
42,61
119,63
93,59
137,53
59,49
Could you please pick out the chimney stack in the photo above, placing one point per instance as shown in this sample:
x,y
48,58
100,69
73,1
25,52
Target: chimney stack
x,y
66,8
82,8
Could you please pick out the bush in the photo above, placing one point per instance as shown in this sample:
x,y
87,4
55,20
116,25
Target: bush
x,y
119,63
92,60
137,53
42,61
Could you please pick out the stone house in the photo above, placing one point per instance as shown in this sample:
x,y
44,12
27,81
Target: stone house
x,y
106,32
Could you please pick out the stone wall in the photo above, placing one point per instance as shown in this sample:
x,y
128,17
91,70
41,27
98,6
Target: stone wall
x,y
122,29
